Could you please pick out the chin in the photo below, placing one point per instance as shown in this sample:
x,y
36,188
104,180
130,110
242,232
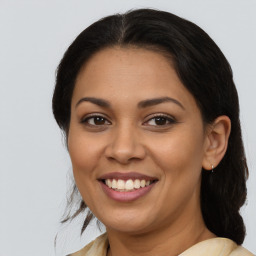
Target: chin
x,y
134,224
128,229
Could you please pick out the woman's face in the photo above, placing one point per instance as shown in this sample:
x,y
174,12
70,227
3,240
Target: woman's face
x,y
136,141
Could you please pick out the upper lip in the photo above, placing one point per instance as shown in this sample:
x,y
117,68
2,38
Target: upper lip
x,y
126,176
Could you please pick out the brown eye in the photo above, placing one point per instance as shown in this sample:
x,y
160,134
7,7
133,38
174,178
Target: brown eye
x,y
96,121
160,121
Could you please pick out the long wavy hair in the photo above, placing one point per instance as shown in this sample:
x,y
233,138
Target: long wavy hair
x,y
203,70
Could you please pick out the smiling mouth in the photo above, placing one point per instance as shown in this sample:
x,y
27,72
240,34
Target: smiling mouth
x,y
126,187
129,185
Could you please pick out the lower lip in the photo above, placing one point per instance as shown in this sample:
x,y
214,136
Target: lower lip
x,y
126,196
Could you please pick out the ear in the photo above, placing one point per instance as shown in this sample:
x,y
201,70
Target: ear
x,y
216,142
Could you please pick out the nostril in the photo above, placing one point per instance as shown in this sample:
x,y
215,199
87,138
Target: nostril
x,y
125,149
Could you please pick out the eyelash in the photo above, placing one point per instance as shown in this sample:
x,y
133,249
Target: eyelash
x,y
170,120
93,116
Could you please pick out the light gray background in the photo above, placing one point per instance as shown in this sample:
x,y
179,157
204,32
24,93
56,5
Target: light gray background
x,y
33,161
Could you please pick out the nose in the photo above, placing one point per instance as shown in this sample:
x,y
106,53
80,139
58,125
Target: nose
x,y
125,146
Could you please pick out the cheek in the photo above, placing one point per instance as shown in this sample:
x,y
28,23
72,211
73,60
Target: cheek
x,y
83,151
84,154
181,153
180,160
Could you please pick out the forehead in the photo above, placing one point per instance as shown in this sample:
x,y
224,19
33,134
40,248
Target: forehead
x,y
131,73
126,57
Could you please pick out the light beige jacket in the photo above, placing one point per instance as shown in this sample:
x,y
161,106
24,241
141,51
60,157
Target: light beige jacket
x,y
211,247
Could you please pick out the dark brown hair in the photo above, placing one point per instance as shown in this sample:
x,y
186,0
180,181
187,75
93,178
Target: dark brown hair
x,y
204,71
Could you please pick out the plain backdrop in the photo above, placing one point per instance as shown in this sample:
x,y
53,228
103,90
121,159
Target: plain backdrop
x,y
33,160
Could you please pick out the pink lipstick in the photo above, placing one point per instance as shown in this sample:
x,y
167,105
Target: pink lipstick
x,y
125,187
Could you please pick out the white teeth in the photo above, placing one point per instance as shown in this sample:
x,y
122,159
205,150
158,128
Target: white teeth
x,y
120,184
128,185
109,183
137,184
114,184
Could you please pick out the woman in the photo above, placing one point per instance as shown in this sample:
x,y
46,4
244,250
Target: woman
x,y
151,116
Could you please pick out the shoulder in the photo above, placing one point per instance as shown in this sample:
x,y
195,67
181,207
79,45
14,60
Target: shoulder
x,y
240,251
211,247
98,247
216,247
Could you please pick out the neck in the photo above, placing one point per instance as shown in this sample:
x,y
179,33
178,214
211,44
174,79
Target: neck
x,y
170,240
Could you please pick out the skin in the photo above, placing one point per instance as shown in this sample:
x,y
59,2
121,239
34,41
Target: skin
x,y
168,219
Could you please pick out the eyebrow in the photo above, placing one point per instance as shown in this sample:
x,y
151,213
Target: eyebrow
x,y
141,104
156,101
96,101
